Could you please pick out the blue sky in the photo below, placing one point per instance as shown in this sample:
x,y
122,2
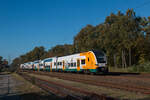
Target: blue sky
x,y
25,24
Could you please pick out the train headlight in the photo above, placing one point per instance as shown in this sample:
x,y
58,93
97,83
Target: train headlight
x,y
101,65
97,64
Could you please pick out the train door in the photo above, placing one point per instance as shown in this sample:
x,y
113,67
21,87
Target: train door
x,y
38,67
78,64
88,61
56,64
63,65
51,66
44,66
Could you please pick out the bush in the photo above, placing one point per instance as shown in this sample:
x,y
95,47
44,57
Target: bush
x,y
145,67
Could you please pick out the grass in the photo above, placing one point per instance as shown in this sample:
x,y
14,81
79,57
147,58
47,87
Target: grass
x,y
26,87
29,91
116,69
140,68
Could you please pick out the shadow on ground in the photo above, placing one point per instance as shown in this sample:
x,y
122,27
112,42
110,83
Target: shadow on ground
x,y
120,73
38,96
30,96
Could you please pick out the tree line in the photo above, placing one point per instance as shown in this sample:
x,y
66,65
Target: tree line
x,y
124,37
3,64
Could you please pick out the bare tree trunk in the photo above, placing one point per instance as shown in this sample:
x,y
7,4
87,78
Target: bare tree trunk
x,y
130,59
115,64
125,63
122,60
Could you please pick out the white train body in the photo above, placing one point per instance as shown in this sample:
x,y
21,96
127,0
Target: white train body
x,y
91,61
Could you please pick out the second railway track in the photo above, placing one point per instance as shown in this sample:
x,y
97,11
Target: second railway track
x,y
126,86
70,93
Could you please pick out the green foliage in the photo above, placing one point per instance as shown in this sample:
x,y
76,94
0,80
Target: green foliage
x,y
39,53
121,36
1,58
36,54
60,50
142,59
145,67
3,64
85,40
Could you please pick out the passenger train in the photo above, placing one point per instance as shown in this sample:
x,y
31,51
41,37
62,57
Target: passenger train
x,y
86,62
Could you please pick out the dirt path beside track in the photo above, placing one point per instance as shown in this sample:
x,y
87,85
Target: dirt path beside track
x,y
7,87
14,87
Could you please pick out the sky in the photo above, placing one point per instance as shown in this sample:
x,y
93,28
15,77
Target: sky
x,y
25,24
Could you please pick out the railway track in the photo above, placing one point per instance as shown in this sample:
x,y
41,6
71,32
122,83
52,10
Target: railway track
x,y
69,93
125,86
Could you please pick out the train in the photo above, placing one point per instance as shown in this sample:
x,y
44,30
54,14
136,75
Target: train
x,y
85,62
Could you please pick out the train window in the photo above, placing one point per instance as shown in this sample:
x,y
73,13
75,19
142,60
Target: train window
x,y
83,61
88,59
74,64
71,64
68,64
100,56
48,60
60,63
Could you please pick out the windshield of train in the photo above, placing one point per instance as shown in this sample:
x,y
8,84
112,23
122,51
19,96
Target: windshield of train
x,y
100,56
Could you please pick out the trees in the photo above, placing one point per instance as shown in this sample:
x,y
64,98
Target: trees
x,y
1,58
36,54
124,37
39,53
119,36
60,50
3,64
83,40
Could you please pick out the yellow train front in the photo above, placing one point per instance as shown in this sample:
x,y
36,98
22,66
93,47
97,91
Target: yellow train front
x,y
95,62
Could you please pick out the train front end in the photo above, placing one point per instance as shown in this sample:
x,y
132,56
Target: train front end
x,y
101,61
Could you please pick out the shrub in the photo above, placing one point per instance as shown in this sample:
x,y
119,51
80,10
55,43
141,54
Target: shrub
x,y
145,67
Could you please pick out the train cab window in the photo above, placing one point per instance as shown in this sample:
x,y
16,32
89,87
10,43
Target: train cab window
x,y
88,59
83,61
71,64
75,64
